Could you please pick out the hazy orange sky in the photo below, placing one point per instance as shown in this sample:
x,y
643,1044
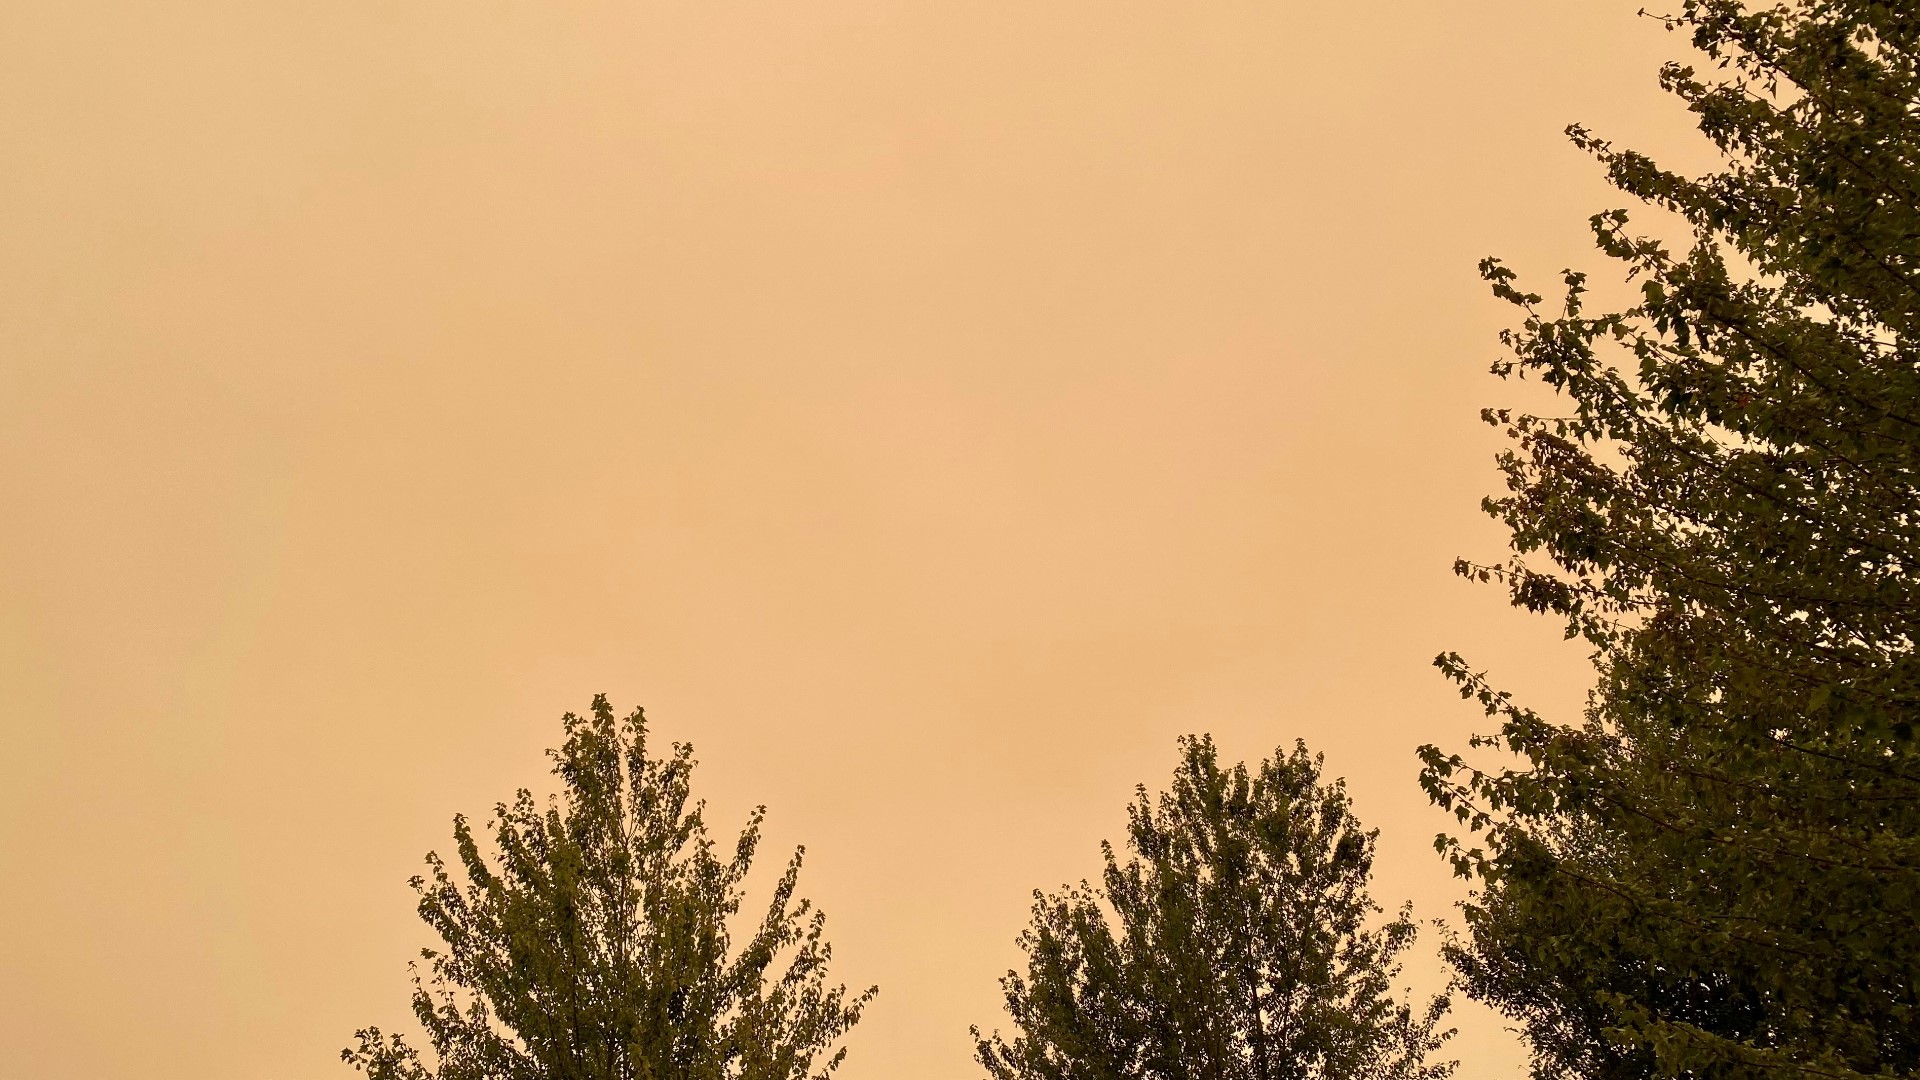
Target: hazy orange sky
x,y
928,409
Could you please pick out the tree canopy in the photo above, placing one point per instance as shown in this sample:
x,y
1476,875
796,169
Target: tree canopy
x,y
1717,872
596,941
1234,944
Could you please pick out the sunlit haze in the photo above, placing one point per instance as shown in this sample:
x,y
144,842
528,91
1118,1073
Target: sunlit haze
x,y
928,410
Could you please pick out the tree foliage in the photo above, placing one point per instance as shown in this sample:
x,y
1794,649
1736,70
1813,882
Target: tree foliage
x,y
1233,945
1717,873
596,942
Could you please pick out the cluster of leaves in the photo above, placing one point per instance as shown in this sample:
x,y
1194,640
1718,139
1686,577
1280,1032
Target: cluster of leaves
x,y
596,943
1238,946
1718,873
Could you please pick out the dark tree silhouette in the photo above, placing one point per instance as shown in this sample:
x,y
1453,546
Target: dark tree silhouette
x,y
1718,873
595,942
1233,945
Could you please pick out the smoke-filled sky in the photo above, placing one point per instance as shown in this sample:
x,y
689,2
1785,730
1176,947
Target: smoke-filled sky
x,y
930,410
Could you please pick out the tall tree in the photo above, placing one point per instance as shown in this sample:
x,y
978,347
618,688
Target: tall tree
x,y
1717,873
596,941
1233,945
